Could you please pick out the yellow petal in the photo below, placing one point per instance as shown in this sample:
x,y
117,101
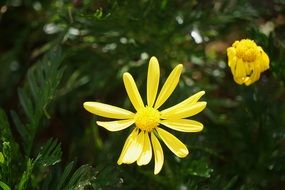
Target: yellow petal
x,y
116,125
146,154
246,80
184,125
231,55
106,110
158,154
232,59
253,78
173,143
248,68
133,91
182,105
152,80
239,80
188,111
135,149
240,69
127,144
264,62
263,59
233,65
169,86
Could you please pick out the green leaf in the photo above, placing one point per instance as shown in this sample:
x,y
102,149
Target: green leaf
x,y
199,168
65,174
1,158
37,93
32,85
4,186
79,178
26,103
231,183
5,131
26,175
50,153
6,162
10,158
24,131
69,179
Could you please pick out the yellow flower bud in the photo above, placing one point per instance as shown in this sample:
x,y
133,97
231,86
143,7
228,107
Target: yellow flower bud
x,y
247,61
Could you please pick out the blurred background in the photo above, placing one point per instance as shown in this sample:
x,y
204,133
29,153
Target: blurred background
x,y
57,54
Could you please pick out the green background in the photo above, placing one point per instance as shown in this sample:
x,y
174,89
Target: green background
x,y
57,54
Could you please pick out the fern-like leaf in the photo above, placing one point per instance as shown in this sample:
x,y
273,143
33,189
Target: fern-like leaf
x,y
69,179
79,179
42,81
50,153
10,158
4,186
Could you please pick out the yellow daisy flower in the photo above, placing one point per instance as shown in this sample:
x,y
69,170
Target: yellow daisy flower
x,y
247,61
144,137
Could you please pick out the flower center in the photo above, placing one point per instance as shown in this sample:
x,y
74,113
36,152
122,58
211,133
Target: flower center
x,y
147,118
246,50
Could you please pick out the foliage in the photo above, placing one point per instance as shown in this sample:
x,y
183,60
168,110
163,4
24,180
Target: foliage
x,y
57,54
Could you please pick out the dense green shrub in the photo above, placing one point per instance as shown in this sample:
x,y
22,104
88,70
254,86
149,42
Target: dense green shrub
x,y
57,54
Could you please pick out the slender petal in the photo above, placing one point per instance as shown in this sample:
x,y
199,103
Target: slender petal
x,y
232,60
265,61
135,149
238,80
152,81
108,111
184,104
185,112
146,154
233,64
247,68
253,77
133,91
127,144
169,86
173,143
231,54
158,154
240,69
184,125
116,125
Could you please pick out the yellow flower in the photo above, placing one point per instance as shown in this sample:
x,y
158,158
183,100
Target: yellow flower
x,y
144,137
247,61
